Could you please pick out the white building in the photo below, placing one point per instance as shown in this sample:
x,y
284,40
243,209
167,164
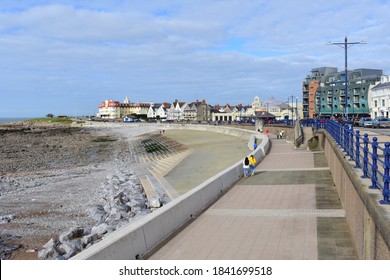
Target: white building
x,y
109,109
189,112
112,109
158,110
175,112
379,98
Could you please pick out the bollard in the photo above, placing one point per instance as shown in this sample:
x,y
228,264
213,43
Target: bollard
x,y
374,177
386,177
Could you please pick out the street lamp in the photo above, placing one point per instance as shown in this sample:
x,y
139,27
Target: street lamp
x,y
292,109
345,45
332,100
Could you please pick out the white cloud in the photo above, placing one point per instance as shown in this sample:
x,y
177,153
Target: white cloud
x,y
222,51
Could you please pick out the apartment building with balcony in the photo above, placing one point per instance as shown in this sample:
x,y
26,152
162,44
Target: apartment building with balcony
x,y
323,92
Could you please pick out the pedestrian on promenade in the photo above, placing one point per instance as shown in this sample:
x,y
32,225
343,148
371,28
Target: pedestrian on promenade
x,y
252,165
254,145
277,134
245,165
266,132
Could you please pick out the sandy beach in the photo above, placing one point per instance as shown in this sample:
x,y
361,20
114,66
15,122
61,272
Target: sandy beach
x,y
51,176
212,153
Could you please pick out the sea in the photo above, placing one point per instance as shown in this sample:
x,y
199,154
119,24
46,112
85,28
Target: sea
x,y
8,120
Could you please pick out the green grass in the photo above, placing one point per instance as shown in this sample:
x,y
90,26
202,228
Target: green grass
x,y
152,147
104,139
53,120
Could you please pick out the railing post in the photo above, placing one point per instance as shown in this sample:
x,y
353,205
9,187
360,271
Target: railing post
x,y
350,145
346,139
386,177
374,178
357,149
340,135
365,156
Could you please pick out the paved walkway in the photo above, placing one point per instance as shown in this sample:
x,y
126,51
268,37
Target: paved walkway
x,y
288,210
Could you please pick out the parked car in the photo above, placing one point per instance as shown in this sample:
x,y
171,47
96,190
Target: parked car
x,y
379,122
365,122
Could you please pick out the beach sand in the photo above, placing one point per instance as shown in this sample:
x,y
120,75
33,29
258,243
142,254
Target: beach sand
x,y
211,153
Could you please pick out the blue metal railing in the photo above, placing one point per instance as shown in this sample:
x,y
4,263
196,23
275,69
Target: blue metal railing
x,y
370,156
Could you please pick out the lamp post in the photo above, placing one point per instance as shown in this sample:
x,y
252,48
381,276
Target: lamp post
x,y
288,109
332,100
292,109
345,45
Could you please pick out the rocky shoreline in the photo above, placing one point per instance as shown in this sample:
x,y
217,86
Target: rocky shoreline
x,y
62,188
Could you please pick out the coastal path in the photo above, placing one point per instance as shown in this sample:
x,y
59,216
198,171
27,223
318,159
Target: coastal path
x,y
288,210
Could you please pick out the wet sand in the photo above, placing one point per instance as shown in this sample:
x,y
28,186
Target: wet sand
x,y
211,153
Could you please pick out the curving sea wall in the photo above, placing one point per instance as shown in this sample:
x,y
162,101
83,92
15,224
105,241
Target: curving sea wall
x,y
137,239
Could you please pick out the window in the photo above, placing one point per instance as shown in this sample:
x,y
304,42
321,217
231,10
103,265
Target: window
x,y
375,103
383,103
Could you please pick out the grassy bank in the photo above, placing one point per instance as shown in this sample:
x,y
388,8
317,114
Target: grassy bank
x,y
53,120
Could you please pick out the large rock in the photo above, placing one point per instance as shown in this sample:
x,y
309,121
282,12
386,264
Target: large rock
x,y
71,248
90,238
100,229
73,233
154,202
49,253
97,213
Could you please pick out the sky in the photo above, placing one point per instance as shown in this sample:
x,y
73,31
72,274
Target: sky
x,y
66,57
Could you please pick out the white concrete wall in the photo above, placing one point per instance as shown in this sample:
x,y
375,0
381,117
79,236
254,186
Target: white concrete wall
x,y
144,234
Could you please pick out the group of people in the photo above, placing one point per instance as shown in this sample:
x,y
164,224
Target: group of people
x,y
261,131
249,165
279,134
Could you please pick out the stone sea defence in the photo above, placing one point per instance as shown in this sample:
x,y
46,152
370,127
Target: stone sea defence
x,y
124,202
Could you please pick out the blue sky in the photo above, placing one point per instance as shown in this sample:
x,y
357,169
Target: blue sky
x,y
66,57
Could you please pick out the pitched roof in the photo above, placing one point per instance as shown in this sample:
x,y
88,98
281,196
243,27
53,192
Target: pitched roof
x,y
264,114
381,85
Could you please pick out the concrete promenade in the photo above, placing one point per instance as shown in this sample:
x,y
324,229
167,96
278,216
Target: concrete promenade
x,y
289,210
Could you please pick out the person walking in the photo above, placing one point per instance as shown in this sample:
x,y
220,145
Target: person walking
x,y
252,165
245,165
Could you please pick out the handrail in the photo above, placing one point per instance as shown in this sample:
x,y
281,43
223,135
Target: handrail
x,y
368,155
